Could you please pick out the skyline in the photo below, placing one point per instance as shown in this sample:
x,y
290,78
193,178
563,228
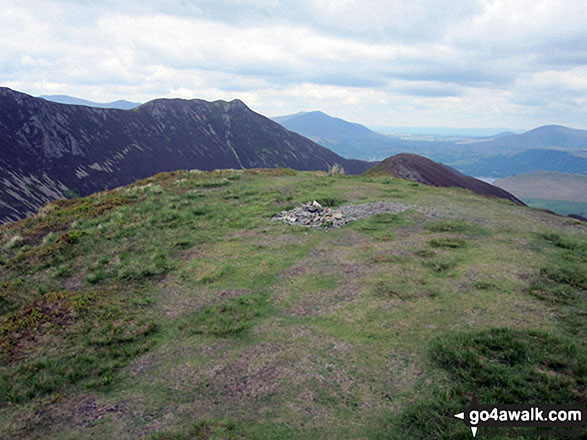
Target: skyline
x,y
450,63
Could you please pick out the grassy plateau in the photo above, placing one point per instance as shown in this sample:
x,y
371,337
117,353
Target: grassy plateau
x,y
175,308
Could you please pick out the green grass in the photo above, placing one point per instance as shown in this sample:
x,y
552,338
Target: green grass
x,y
203,430
441,264
95,339
562,207
226,318
500,365
455,226
451,243
563,281
176,308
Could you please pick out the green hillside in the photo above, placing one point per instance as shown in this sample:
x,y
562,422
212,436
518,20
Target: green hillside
x,y
175,308
547,185
562,207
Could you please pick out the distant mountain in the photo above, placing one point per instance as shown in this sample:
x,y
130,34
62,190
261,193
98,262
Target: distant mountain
x,y
345,138
545,137
423,170
551,147
49,150
64,99
525,162
320,125
546,185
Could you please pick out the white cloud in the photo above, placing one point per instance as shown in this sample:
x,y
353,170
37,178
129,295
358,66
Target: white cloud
x,y
483,63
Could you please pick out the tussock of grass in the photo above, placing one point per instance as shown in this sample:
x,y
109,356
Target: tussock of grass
x,y
95,339
440,264
565,242
563,282
212,183
387,218
451,243
574,275
226,318
330,202
385,289
451,226
424,253
202,430
217,273
512,366
496,366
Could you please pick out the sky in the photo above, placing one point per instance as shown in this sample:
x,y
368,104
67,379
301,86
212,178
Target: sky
x,y
514,64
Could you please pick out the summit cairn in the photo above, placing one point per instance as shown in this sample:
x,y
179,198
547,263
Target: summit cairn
x,y
313,214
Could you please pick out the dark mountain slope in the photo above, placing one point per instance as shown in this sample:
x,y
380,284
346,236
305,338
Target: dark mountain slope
x,y
423,170
48,149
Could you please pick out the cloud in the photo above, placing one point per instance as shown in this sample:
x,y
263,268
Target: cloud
x,y
414,60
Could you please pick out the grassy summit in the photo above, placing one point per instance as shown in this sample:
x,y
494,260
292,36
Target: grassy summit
x,y
174,308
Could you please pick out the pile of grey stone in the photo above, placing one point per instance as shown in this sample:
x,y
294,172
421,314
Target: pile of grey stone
x,y
313,214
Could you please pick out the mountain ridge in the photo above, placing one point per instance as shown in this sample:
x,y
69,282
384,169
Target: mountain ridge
x,y
51,149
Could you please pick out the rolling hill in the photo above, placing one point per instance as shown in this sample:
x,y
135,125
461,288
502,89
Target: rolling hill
x,y
565,194
525,162
547,136
177,307
547,185
423,170
50,150
551,147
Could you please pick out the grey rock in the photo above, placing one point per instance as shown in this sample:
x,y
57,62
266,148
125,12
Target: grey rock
x,y
315,216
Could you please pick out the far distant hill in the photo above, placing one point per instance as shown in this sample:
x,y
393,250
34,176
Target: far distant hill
x,y
546,185
420,169
320,125
547,136
525,162
65,99
345,138
551,147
